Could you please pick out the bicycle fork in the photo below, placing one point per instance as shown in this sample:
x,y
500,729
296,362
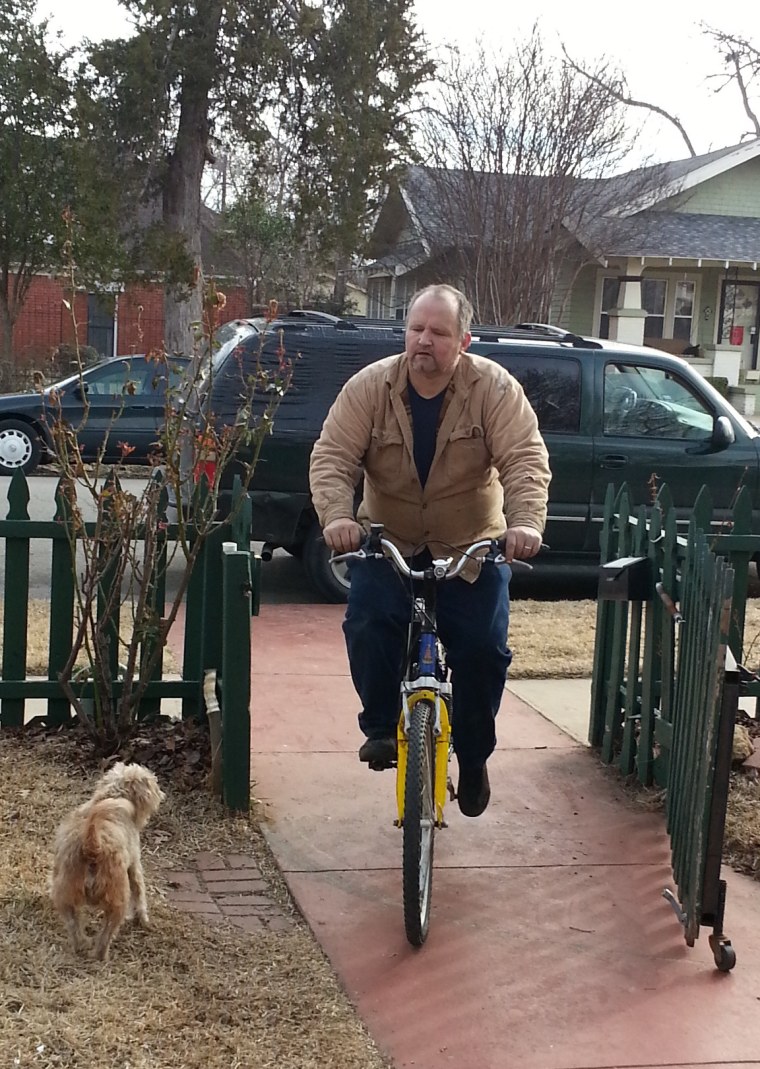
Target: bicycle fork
x,y
437,693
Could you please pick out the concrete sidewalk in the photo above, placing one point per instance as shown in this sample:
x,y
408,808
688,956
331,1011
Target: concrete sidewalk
x,y
550,945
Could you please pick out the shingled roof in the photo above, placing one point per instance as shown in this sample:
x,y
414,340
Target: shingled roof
x,y
624,215
679,234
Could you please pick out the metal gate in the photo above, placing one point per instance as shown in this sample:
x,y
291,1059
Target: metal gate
x,y
704,710
666,683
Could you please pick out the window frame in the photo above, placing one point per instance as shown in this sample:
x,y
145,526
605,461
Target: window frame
x,y
670,301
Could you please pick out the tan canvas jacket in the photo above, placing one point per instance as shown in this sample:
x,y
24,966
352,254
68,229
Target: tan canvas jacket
x,y
490,467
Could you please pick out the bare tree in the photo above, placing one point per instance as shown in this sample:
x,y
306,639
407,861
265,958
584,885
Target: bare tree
x,y
742,58
615,84
518,154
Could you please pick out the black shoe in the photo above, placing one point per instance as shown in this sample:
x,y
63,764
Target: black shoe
x,y
379,753
474,791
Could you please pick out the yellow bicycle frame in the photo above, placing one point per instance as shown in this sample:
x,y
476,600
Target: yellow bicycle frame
x,y
441,753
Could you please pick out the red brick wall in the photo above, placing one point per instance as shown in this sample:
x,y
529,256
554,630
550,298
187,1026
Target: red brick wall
x,y
44,322
140,319
237,304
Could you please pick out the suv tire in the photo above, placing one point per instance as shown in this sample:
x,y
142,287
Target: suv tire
x,y
331,581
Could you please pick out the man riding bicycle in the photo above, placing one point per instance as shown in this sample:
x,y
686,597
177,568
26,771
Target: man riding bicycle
x,y
451,453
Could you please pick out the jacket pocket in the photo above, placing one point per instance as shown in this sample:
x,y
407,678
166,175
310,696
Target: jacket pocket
x,y
385,457
466,453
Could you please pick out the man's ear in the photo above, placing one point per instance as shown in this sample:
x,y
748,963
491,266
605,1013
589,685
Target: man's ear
x,y
466,339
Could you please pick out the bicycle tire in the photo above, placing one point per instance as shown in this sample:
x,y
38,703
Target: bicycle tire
x,y
419,822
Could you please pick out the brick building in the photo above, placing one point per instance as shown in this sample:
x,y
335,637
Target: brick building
x,y
129,319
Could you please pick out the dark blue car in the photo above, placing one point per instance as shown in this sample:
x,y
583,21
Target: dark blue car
x,y
126,404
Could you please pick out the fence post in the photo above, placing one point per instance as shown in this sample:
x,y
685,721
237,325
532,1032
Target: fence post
x,y
16,601
603,644
613,706
192,651
236,677
61,603
667,665
652,662
632,706
741,524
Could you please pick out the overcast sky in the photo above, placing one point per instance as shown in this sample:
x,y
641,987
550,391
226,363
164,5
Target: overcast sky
x,y
657,43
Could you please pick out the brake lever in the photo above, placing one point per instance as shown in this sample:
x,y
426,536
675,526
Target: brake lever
x,y
500,558
353,554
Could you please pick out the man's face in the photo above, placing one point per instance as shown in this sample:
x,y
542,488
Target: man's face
x,y
433,341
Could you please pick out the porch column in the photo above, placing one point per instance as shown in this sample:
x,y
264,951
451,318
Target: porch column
x,y
627,318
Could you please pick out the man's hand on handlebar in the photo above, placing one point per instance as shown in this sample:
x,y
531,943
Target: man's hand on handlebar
x,y
521,543
344,535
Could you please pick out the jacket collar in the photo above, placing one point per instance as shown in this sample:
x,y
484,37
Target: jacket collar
x,y
397,374
396,378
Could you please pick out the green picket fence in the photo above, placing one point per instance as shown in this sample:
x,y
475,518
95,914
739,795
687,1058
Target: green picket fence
x,y
667,676
221,596
635,656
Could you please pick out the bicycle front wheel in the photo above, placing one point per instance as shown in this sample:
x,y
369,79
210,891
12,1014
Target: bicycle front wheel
x,y
419,822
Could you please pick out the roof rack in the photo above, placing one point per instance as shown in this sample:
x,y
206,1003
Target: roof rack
x,y
537,331
480,332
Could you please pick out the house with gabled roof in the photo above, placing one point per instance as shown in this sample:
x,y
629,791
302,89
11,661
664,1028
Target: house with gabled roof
x,y
665,256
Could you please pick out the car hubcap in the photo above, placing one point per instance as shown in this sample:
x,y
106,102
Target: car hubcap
x,y
15,448
340,571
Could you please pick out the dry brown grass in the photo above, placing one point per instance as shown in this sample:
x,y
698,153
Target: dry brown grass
x,y
552,639
555,639
38,637
182,995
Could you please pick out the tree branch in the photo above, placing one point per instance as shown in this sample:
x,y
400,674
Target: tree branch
x,y
623,98
738,74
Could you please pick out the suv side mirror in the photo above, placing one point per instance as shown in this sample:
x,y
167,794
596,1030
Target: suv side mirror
x,y
723,432
80,390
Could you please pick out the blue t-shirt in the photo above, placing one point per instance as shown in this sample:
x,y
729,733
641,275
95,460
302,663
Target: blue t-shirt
x,y
425,413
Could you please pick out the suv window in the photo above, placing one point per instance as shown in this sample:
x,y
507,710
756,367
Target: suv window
x,y
645,402
553,387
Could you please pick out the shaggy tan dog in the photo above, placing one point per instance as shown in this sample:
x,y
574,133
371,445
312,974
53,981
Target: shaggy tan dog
x,y
97,855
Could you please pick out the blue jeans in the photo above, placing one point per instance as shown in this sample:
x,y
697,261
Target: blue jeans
x,y
473,619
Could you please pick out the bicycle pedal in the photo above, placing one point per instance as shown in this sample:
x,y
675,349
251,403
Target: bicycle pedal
x,y
381,766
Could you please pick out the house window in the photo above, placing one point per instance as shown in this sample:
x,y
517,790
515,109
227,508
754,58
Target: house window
x,y
669,307
653,294
683,310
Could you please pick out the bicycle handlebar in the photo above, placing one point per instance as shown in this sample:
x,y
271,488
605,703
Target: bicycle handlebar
x,y
442,567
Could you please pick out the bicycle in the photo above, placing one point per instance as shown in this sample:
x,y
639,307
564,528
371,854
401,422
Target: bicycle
x,y
424,724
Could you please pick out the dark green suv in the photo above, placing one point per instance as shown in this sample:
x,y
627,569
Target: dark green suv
x,y
608,412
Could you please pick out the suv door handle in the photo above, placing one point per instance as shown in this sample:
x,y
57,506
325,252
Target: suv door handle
x,y
614,460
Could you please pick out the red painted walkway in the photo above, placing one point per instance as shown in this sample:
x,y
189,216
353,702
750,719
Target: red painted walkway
x,y
550,946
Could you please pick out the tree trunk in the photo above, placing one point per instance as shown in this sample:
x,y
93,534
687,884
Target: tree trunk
x,y
6,333
342,267
183,299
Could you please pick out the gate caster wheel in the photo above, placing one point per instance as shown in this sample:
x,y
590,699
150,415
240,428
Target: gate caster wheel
x,y
723,953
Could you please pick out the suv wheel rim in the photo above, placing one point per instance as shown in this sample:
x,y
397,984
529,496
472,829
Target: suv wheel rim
x,y
340,571
15,448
